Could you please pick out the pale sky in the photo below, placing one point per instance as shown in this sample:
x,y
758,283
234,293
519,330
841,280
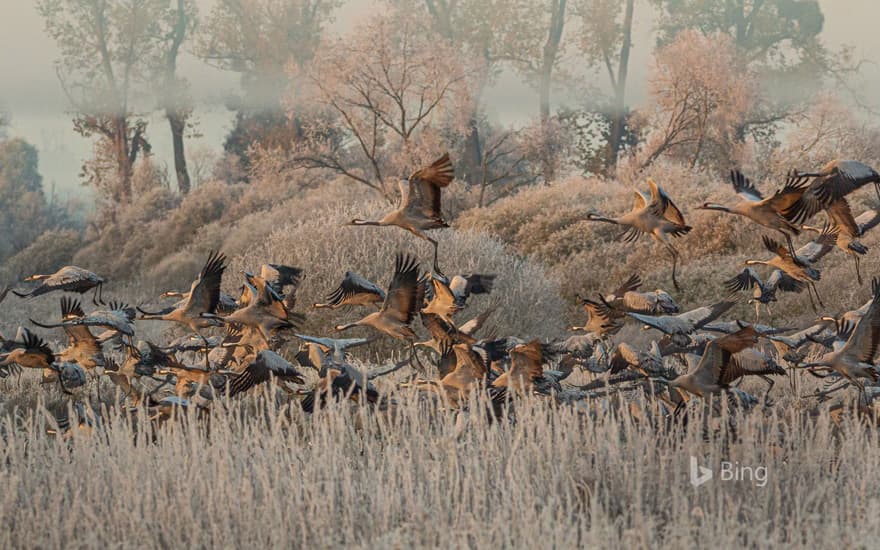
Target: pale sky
x,y
29,89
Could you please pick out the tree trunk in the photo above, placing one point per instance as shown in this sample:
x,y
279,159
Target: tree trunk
x,y
619,115
551,50
176,116
123,163
178,124
473,153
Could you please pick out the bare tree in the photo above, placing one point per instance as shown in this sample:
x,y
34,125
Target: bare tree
x,y
700,92
504,166
385,98
173,93
106,47
533,44
606,39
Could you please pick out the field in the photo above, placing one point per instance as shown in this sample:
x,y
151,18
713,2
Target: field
x,y
557,476
547,474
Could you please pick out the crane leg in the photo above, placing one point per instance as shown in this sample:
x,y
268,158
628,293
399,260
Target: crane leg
x,y
415,358
810,294
674,253
816,292
770,384
790,245
436,252
207,350
858,270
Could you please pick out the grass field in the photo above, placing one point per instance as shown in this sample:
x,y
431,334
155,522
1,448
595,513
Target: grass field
x,y
260,472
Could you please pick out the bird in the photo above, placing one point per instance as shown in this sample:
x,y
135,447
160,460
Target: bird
x,y
419,207
526,374
82,346
854,360
280,276
202,298
848,241
354,290
628,298
602,320
797,267
322,350
766,212
680,326
118,317
405,296
266,365
652,214
443,331
468,371
718,366
32,352
67,279
763,292
447,297
830,184
402,302
265,311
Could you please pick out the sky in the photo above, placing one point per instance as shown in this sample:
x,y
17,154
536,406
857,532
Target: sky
x,y
30,93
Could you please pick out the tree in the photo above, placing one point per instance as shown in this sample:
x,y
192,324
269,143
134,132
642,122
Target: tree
x,y
262,40
22,202
106,50
174,94
606,40
477,28
383,99
700,92
780,40
533,44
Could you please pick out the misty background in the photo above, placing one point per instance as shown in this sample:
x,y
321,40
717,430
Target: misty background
x,y
40,112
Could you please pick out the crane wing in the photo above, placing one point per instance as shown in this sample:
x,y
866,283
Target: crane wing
x,y
746,280
744,187
205,292
406,292
864,340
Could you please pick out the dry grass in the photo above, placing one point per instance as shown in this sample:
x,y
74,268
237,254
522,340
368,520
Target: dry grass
x,y
261,472
555,477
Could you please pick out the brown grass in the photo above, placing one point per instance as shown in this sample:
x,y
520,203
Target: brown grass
x,y
554,477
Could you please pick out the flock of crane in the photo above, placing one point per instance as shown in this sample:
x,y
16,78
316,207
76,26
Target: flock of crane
x,y
235,343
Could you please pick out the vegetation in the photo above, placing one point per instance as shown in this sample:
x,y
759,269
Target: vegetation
x,y
323,127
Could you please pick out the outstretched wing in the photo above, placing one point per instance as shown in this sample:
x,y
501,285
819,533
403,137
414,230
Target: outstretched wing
x,y
782,281
744,187
630,285
699,317
746,280
425,184
351,286
663,205
405,293
205,291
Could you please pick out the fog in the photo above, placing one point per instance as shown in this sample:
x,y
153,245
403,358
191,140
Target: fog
x,y
32,96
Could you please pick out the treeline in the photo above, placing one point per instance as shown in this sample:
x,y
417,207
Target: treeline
x,y
732,82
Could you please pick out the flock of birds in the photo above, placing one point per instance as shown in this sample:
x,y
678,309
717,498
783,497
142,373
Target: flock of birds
x,y
236,343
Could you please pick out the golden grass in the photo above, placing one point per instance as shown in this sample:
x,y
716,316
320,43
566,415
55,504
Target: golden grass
x,y
263,473
558,476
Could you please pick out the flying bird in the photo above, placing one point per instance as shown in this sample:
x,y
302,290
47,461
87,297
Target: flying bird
x,y
419,208
652,214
